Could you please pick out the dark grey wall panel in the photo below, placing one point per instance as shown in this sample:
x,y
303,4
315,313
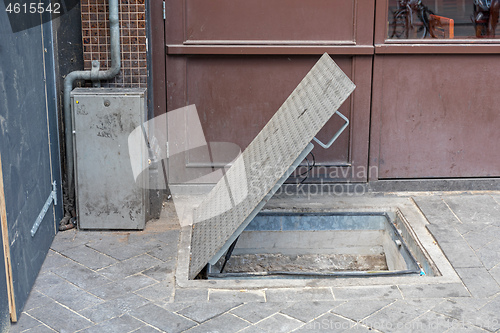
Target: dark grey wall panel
x,y
29,146
4,303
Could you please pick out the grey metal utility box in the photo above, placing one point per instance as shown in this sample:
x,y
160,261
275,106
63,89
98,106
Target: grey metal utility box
x,y
107,195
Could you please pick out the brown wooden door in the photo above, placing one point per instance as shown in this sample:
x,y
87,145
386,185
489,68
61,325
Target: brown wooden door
x,y
435,101
238,61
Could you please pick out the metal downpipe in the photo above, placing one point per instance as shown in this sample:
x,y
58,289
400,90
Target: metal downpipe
x,y
88,75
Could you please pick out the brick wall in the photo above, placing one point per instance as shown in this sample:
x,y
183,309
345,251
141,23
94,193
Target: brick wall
x,y
96,46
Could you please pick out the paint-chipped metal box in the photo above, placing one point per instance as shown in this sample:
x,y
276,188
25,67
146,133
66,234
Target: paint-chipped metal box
x,y
108,196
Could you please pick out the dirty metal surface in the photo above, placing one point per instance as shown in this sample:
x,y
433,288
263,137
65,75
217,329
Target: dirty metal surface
x,y
266,159
315,263
108,196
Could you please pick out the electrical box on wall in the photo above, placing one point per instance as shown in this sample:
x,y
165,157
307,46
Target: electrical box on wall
x,y
107,194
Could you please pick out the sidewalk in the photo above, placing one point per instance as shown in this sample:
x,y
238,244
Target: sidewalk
x,y
125,282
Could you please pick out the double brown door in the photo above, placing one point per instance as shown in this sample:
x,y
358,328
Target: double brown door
x,y
238,61
422,108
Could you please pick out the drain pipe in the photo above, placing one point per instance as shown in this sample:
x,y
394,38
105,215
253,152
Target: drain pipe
x,y
95,76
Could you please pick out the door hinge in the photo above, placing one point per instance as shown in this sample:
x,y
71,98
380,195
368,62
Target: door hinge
x,y
164,10
45,209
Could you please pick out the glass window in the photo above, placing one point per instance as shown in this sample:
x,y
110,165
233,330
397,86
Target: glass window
x,y
445,19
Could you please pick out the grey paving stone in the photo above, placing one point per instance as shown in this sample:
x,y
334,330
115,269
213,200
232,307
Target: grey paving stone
x,y
150,239
129,267
114,308
461,308
328,322
492,303
462,327
434,290
495,273
279,323
161,318
488,317
170,237
53,261
388,319
366,292
81,276
173,306
66,240
40,329
299,294
496,197
474,208
359,328
117,247
479,282
25,322
253,329
60,318
191,295
122,324
256,311
89,257
306,311
92,236
157,292
146,329
435,209
150,244
201,312
165,252
465,228
117,288
486,322
490,254
64,292
425,303
444,232
158,250
460,254
479,237
162,272
227,323
359,309
236,295
37,299
428,322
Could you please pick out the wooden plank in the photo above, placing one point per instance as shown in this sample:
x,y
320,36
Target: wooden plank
x,y
6,249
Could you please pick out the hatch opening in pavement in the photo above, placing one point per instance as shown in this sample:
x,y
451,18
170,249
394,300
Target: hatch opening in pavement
x,y
325,244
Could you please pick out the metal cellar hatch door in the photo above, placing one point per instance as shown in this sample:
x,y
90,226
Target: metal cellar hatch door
x,y
266,163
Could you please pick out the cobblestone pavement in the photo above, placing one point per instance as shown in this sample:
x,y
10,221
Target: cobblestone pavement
x,y
125,282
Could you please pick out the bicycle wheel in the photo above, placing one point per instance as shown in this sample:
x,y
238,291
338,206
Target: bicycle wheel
x,y
423,30
400,24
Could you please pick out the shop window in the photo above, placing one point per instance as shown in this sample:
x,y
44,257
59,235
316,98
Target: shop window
x,y
443,19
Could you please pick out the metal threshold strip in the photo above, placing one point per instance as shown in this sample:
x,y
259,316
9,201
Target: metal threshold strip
x,y
312,274
267,162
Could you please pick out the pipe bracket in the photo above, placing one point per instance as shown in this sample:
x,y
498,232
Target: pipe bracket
x,y
94,74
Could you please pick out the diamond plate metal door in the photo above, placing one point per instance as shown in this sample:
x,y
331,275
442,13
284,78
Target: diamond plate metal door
x,y
267,158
